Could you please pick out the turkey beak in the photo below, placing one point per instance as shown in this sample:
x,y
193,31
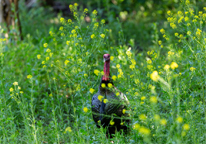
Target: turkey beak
x,y
104,60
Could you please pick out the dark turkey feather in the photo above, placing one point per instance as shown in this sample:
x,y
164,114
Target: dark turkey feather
x,y
105,112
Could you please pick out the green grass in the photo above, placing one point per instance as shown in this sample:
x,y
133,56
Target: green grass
x,y
55,68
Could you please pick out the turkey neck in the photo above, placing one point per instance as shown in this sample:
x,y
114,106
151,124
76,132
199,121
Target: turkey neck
x,y
106,70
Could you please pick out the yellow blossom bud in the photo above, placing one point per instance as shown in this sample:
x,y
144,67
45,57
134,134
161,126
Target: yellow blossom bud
x,y
163,121
154,76
153,99
103,85
105,101
85,109
186,127
91,90
110,85
111,122
174,65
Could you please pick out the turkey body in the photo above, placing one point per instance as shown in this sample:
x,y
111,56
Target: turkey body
x,y
109,114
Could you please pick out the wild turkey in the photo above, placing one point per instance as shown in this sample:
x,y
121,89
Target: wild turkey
x,y
110,114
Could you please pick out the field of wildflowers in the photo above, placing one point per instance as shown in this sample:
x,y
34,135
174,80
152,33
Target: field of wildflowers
x,y
47,81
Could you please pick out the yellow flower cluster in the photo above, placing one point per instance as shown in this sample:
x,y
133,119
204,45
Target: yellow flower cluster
x,y
91,90
144,131
153,99
142,117
85,109
94,12
96,72
198,32
100,98
174,65
92,36
154,76
102,35
114,77
29,76
120,73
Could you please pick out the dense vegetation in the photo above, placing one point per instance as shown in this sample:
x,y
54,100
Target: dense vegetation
x,y
48,79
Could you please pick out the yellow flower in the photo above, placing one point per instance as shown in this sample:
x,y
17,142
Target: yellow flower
x,y
75,4
162,31
123,111
62,20
166,67
85,75
105,101
186,127
67,42
141,102
68,129
45,45
128,52
100,98
92,36
142,117
103,85
111,58
154,76
144,131
96,72
176,34
153,99
15,83
103,21
110,85
174,65
86,10
91,90
29,76
66,62
188,32
117,93
136,126
179,119
21,92
43,62
169,12
149,61
143,98
117,66
192,68
61,28
159,42
50,95
11,89
132,67
111,122
47,58
102,35
19,87
102,72
133,61
122,123
156,117
38,56
94,12
114,77
85,109
48,50
69,21
163,121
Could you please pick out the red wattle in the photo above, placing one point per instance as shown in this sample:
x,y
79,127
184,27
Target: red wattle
x,y
106,71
